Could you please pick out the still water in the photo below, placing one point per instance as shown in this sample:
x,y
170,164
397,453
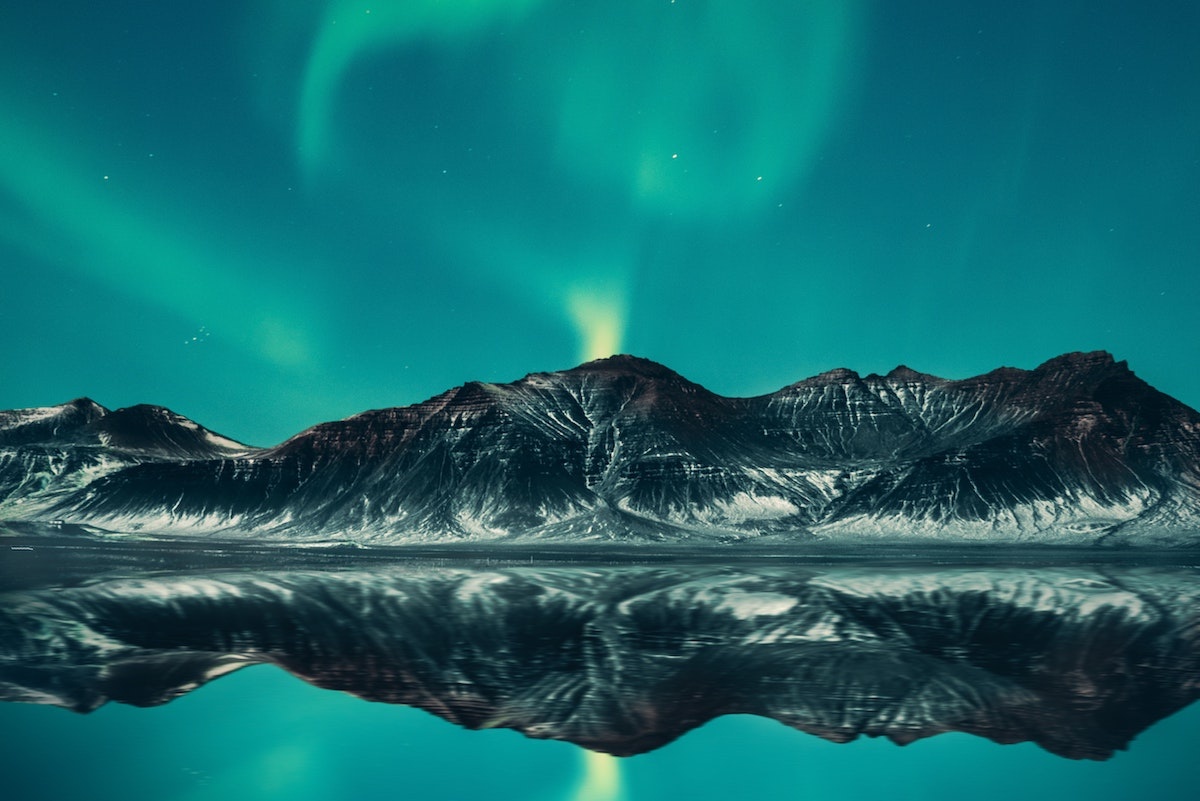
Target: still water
x,y
692,669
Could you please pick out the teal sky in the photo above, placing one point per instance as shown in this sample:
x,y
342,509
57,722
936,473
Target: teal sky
x,y
266,214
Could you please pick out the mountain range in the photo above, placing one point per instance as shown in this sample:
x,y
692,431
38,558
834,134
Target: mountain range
x,y
1078,451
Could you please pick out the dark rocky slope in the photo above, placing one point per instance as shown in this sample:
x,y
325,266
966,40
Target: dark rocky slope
x,y
1078,450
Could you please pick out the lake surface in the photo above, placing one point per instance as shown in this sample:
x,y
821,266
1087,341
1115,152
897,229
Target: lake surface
x,y
713,680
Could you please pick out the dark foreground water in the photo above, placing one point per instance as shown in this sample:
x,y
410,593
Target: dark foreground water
x,y
692,668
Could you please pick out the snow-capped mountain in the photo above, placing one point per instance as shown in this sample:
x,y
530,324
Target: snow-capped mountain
x,y
1078,450
48,454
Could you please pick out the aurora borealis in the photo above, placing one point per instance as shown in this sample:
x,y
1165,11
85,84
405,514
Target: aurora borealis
x,y
268,214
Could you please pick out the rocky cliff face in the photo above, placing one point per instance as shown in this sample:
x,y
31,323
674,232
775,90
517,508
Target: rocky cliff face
x,y
48,455
1076,451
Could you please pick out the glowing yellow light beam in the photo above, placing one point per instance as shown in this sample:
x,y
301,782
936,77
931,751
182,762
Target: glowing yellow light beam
x,y
601,779
599,319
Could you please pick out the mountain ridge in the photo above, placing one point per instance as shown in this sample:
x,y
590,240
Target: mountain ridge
x,y
1075,451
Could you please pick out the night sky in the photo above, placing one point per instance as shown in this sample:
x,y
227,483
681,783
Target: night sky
x,y
268,214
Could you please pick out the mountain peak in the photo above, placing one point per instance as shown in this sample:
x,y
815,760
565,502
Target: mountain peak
x,y
628,365
37,422
903,372
1081,360
85,403
838,375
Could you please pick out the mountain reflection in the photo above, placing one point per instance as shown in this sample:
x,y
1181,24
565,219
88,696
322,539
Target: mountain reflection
x,y
624,659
